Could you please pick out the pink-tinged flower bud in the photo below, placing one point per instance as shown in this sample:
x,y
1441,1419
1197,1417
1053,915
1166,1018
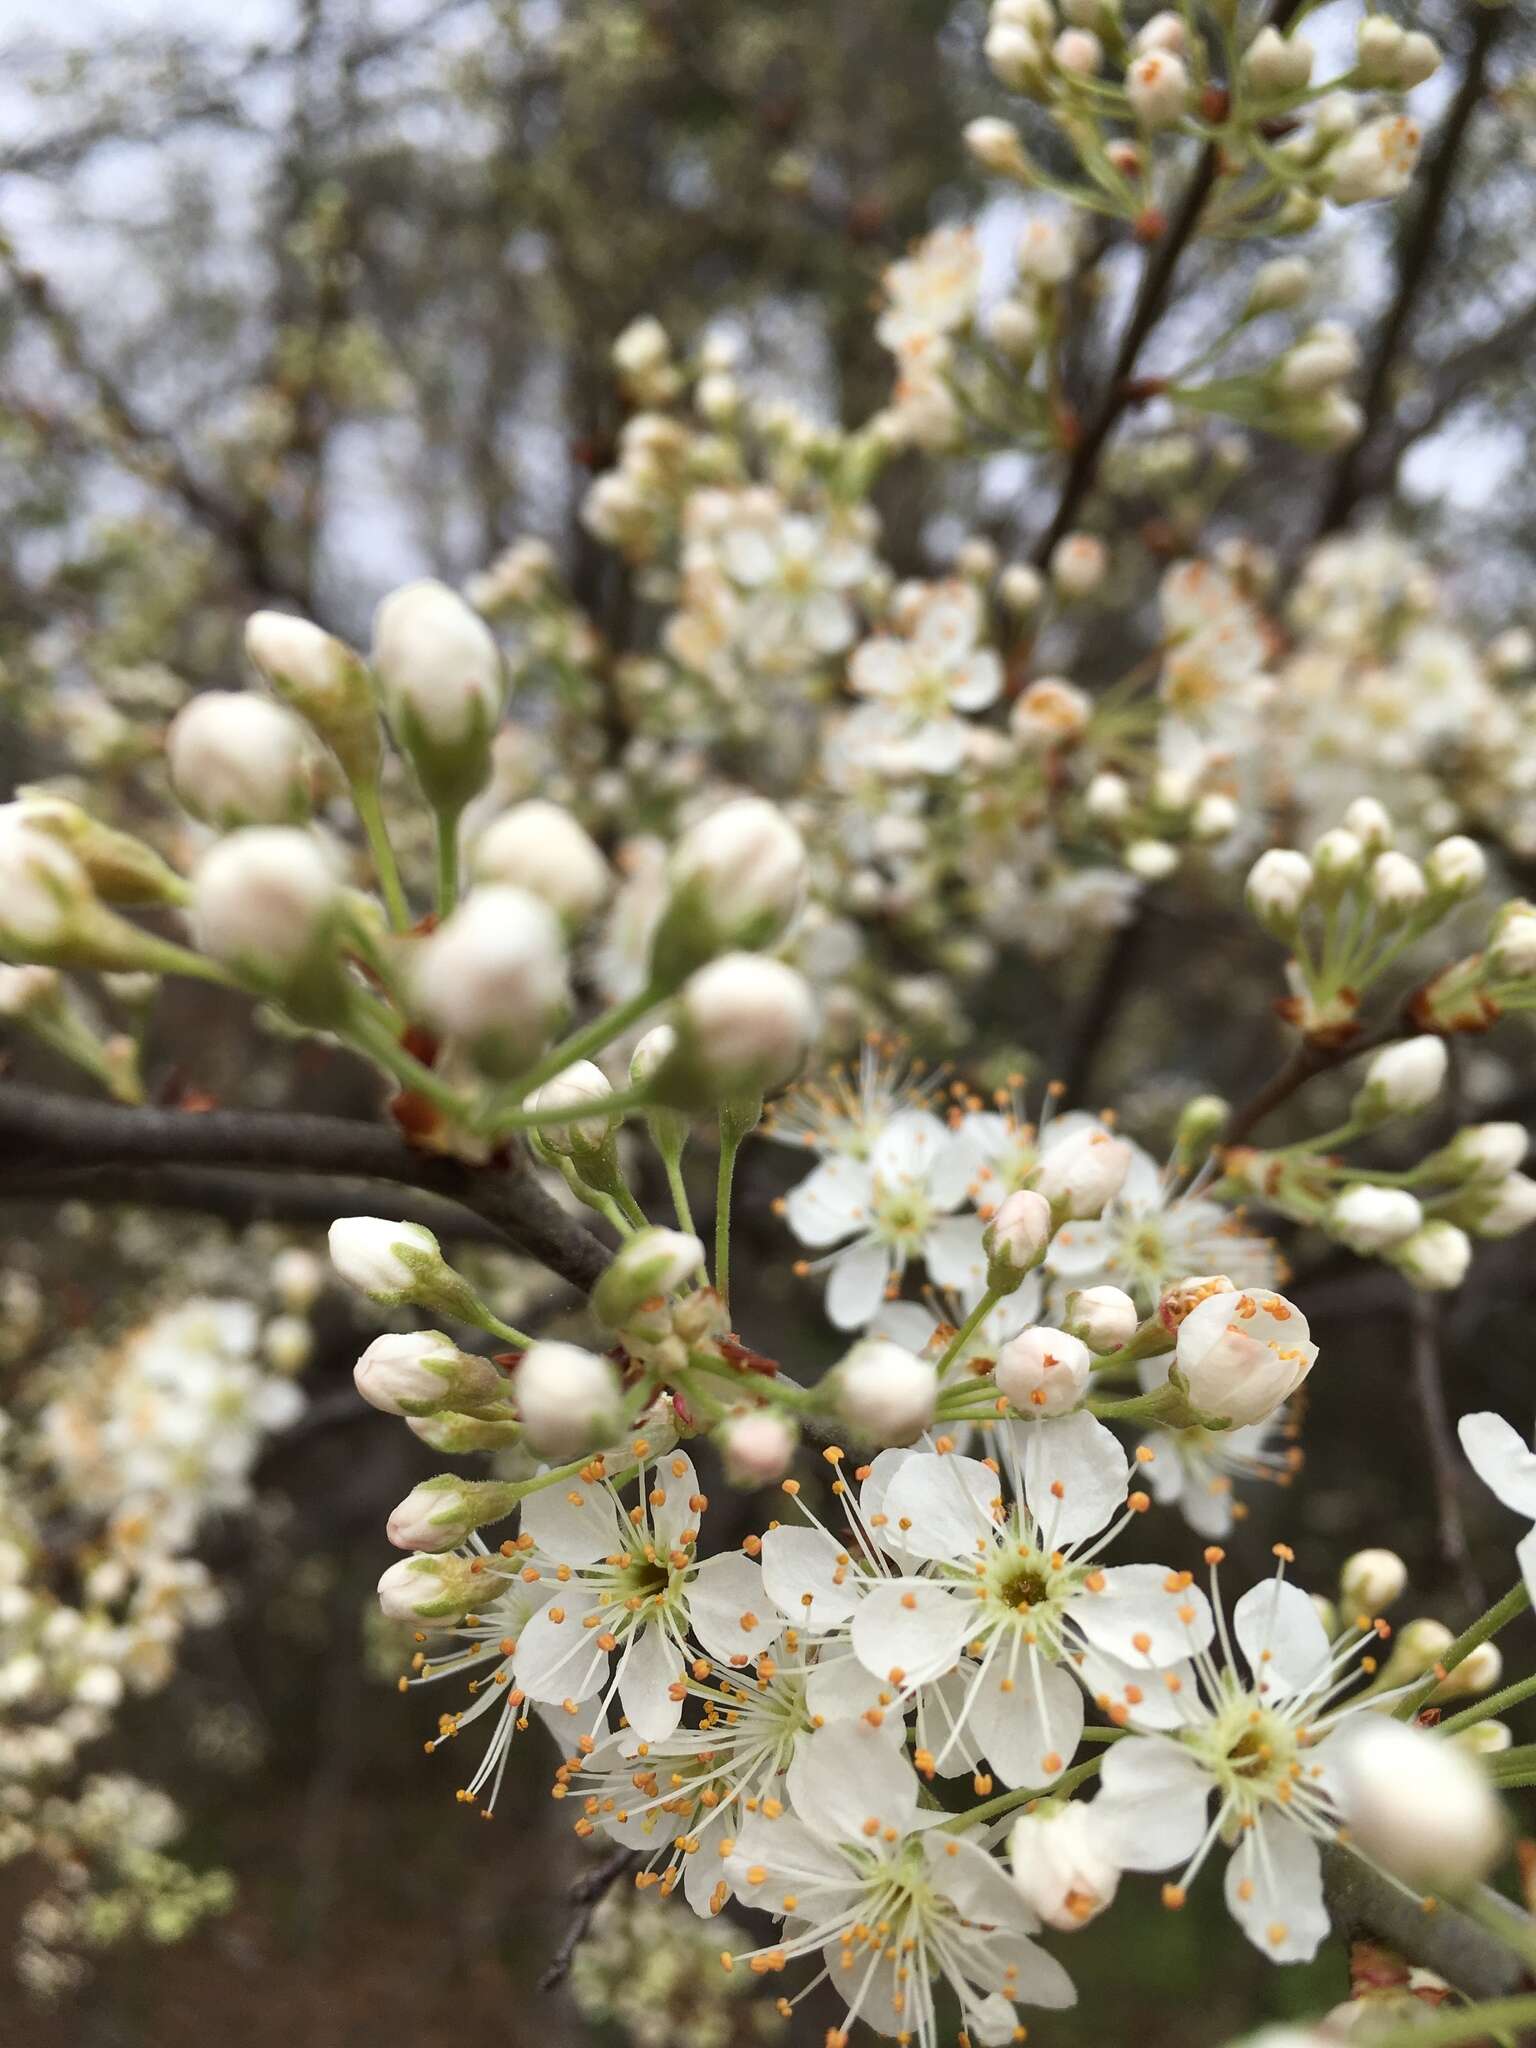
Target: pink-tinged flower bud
x,y
737,881
442,1589
539,847
1061,1864
1082,1174
1239,1355
1078,565
322,679
1043,1371
238,759
1372,1581
744,1025
1401,1079
444,688
757,1448
1050,713
494,977
1105,1318
1369,1219
583,1089
1078,52
1435,1258
651,1265
569,1400
1279,883
1157,86
421,1371
1016,1239
439,1513
884,1393
1417,1805
267,902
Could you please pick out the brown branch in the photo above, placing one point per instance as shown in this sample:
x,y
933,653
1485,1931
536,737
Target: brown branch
x,y
1445,1941
40,1132
1417,250
1424,1320
586,1895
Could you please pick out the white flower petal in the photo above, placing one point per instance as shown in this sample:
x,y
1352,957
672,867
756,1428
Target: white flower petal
x,y
838,1688
560,1660
1153,1699
856,1285
908,1146
914,1627
976,1883
673,1518
844,1776
1144,1616
1278,1631
797,1562
1079,1249
573,1522
1030,1731
831,1203
1502,1459
1076,1476
940,1505
653,1666
1153,1805
907,1323
953,1253
1275,1889
729,1608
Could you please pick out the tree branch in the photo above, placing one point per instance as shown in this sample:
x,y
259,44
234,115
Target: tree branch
x,y
1445,1941
44,1133
586,1895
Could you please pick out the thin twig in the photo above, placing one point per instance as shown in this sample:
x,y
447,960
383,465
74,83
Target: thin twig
x,y
1444,1465
586,1895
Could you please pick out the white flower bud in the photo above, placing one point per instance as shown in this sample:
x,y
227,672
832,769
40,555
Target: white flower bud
x,y
1078,565
1398,886
1279,883
1013,57
1479,1671
582,1084
1503,1208
1241,1354
322,679
287,1344
1108,797
569,1400
1061,1866
744,1025
1274,64
1043,1371
27,990
1045,255
1214,817
1436,1257
642,348
649,1266
1371,823
1050,713
996,146
421,1371
1082,1174
1278,285
1151,860
1324,358
442,1588
1105,1318
267,902
737,880
1157,86
1014,328
1369,1219
757,1448
1456,866
439,1513
45,893
1078,52
494,977
885,1393
392,1263
651,1054
237,759
444,688
1485,1151
1417,1805
1016,1238
1162,31
1402,1078
1372,1581
1379,42
539,847
297,1277
1376,162
1020,587
1512,944
1418,59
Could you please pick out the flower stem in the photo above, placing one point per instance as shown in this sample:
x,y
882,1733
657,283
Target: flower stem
x,y
968,1329
672,1160
1514,1602
370,812
447,861
589,1039
1005,1802
1495,1703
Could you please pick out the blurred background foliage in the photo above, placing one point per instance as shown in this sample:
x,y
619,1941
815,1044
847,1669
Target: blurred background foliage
x,y
300,299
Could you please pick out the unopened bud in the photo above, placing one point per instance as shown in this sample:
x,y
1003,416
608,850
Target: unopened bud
x,y
1417,1805
1279,883
1456,866
1372,1581
1081,1174
1016,1239
238,759
396,1263
439,1513
1061,1863
885,1393
744,1025
322,679
581,1087
1105,1318
1401,1079
539,847
441,1589
1043,1371
1436,1257
1369,1219
757,1448
494,977
652,1264
421,1371
267,902
737,881
444,688
569,1400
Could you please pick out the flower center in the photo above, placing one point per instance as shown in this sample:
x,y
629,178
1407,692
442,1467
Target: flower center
x,y
902,1215
1250,1750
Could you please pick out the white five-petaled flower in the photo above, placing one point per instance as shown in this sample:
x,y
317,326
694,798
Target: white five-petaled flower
x,y
1006,1594
892,1903
896,1206
1258,1743
629,1586
929,676
798,573
1506,1465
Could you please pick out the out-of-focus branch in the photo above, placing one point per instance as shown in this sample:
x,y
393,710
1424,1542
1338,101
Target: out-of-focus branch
x,y
1361,1901
1444,1465
1417,249
42,1132
586,1895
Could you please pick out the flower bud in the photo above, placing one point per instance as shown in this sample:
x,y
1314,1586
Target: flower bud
x,y
1050,713
1016,1238
444,687
1417,59
744,1025
297,1277
1107,797
1020,587
1417,1648
439,1513
653,1263
421,1371
1105,1318
119,868
758,1447
1499,1208
1279,883
322,679
1436,1257
1369,1219
1279,285
1013,57
287,1344
396,1263
737,882
1274,64
1418,1806
997,147
884,1393
494,977
238,759
1372,1581
1378,42
1043,1371
46,898
1061,1865
1512,943
569,1400
456,1435
1082,1174
1337,858
1078,52
1215,816
1157,86
581,1086
1371,823
268,903
539,847
1482,1152
1014,328
1201,1122
444,1588
1151,860
1401,1079
1078,565
1484,1738
1479,1671
1398,886
1376,162
1456,866
1240,1355
30,991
